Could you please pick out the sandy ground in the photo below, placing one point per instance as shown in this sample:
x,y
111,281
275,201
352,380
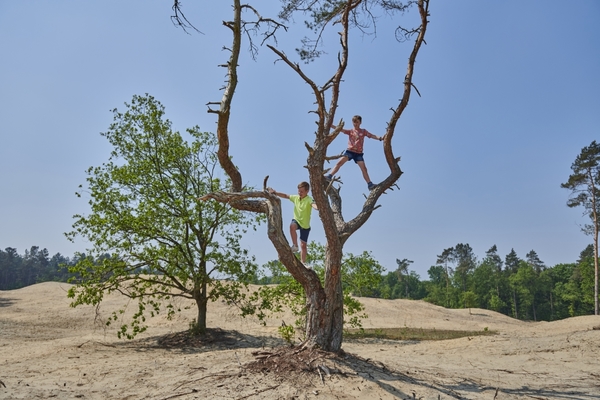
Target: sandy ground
x,y
51,351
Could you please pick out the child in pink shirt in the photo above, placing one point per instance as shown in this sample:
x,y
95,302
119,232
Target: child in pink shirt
x,y
356,139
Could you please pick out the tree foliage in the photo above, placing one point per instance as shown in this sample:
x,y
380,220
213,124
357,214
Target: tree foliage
x,y
584,184
526,289
527,292
35,266
152,240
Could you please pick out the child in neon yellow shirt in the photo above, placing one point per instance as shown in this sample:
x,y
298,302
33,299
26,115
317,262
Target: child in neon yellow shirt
x,y
303,206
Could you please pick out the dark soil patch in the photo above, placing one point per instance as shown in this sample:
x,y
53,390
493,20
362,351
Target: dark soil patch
x,y
212,337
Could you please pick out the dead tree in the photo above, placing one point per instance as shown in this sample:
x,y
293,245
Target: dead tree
x,y
324,302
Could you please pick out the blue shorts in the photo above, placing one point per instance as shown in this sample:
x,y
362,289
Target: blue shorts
x,y
354,156
303,232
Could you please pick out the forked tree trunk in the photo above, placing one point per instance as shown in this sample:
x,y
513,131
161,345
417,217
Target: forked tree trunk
x,y
324,302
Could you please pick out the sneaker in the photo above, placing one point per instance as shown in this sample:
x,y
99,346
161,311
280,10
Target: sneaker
x,y
371,185
328,177
294,249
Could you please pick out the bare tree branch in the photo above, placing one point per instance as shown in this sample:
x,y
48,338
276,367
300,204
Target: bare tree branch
x,y
180,20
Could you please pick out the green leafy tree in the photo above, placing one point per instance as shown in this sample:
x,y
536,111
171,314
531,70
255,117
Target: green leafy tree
x,y
512,263
465,264
416,288
524,284
390,286
493,259
324,298
586,273
410,287
496,303
35,264
566,291
483,284
10,269
33,267
490,283
152,240
533,260
361,275
541,287
459,263
469,300
584,184
402,272
439,290
445,260
544,296
58,268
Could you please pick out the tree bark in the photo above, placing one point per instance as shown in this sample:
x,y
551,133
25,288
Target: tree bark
x,y
199,295
595,219
324,324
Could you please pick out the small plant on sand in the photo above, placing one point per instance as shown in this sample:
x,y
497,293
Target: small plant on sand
x,y
287,332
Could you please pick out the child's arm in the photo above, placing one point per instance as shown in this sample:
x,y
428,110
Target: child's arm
x,y
346,131
370,135
276,193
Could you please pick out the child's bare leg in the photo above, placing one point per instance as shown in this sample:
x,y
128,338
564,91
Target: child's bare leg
x,y
293,234
339,164
303,251
363,169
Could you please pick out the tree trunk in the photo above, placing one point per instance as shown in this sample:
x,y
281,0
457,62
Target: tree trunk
x,y
325,314
595,264
201,300
596,227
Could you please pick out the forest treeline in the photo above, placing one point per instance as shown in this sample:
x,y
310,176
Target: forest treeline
x,y
35,266
525,288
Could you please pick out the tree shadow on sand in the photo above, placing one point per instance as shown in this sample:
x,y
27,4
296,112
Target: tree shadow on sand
x,y
215,339
6,301
304,367
303,364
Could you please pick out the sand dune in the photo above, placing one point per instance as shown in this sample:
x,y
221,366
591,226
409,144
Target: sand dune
x,y
50,350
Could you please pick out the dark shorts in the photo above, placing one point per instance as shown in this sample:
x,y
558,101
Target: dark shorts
x,y
354,156
303,232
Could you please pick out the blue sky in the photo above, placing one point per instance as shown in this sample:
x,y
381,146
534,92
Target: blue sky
x,y
509,97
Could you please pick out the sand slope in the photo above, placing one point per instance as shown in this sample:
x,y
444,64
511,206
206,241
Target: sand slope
x,y
49,350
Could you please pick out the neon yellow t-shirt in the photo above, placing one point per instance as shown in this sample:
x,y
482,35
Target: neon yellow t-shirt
x,y
302,210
